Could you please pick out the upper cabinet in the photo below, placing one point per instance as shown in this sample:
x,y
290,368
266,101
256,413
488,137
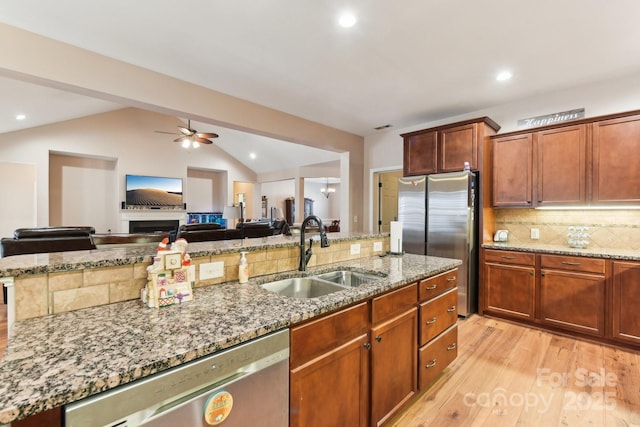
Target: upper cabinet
x,y
586,162
616,163
446,148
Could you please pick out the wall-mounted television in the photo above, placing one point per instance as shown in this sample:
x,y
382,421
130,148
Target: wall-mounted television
x,y
153,191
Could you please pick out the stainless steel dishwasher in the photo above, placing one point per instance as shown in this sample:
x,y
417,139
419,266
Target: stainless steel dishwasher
x,y
246,385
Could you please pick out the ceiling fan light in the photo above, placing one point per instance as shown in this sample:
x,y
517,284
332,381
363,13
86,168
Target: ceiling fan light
x,y
186,143
195,144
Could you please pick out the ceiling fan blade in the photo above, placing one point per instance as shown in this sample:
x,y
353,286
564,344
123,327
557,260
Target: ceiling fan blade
x,y
202,140
186,131
181,139
168,133
206,135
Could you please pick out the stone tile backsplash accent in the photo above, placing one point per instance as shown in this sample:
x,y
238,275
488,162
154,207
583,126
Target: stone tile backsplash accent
x,y
50,293
608,229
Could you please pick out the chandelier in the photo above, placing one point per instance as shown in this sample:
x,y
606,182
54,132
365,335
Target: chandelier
x,y
327,190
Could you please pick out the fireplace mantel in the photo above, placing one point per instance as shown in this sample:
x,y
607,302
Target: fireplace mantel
x,y
127,215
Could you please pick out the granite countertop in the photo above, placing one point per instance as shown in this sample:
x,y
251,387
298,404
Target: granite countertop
x,y
21,265
57,359
617,254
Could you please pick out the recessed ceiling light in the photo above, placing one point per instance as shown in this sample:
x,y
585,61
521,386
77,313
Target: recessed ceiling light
x,y
504,76
21,117
252,155
347,20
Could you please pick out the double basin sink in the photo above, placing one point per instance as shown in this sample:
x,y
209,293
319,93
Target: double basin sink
x,y
320,284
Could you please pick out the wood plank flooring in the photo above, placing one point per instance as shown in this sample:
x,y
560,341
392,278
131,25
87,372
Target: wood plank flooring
x,y
510,375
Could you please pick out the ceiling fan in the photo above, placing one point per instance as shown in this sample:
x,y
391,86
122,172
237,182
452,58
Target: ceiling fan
x,y
191,137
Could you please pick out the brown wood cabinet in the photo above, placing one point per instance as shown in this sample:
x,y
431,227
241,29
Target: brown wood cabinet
x,y
626,300
512,171
590,161
446,148
438,335
572,293
394,355
616,164
510,284
329,365
561,166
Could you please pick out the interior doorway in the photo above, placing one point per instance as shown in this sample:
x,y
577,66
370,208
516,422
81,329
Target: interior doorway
x,y
385,197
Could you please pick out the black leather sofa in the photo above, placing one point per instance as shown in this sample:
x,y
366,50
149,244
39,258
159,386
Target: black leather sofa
x,y
212,231
46,239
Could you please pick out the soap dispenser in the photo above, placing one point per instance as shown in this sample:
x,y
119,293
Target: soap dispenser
x,y
243,269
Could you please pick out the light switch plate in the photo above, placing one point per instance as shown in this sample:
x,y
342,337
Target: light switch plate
x,y
355,249
535,233
211,270
377,246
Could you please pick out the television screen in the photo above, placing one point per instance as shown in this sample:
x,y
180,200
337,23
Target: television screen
x,y
153,191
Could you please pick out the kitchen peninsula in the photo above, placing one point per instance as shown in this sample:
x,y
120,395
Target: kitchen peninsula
x,y
54,359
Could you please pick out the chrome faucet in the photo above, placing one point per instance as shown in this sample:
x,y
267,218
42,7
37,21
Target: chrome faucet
x,y
305,256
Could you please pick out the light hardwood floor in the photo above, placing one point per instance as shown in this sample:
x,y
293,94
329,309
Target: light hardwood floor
x,y
510,375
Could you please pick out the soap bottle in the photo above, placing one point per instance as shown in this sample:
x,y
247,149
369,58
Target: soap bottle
x,y
243,269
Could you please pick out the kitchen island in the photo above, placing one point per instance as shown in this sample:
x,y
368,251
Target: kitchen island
x,y
56,359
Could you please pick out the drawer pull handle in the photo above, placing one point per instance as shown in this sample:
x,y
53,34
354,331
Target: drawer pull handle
x,y
570,263
431,288
452,279
452,347
431,364
432,321
379,338
508,257
451,309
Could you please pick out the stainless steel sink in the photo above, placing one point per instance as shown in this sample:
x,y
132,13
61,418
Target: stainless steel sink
x,y
302,287
348,278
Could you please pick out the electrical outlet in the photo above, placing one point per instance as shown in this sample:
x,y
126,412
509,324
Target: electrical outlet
x,y
377,246
355,249
211,270
535,233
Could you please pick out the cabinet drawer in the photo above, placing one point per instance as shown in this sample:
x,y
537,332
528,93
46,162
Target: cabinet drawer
x,y
437,355
509,257
394,303
581,264
428,288
437,315
319,336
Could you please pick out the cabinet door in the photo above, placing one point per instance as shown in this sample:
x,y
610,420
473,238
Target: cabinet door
x,y
574,301
616,164
510,290
561,166
512,171
332,389
626,300
394,354
420,154
456,146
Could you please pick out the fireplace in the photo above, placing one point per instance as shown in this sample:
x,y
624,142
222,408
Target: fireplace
x,y
153,226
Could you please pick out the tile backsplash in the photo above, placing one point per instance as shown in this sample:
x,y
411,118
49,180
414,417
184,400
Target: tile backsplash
x,y
612,229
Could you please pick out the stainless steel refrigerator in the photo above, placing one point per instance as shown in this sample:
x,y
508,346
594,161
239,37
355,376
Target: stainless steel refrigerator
x,y
439,218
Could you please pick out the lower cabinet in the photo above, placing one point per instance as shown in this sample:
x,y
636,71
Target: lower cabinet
x,y
572,293
329,370
394,352
593,297
393,365
626,300
437,355
510,284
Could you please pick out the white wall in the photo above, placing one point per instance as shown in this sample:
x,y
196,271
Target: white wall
x,y
18,195
126,136
383,151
